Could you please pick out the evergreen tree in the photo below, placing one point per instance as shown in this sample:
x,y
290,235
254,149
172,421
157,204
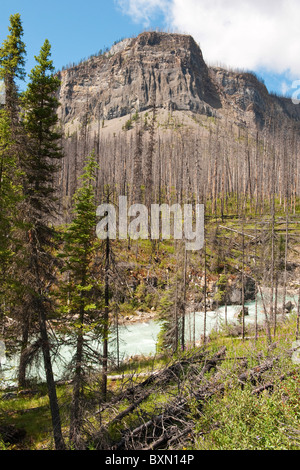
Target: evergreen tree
x,y
81,291
40,120
40,166
10,196
12,62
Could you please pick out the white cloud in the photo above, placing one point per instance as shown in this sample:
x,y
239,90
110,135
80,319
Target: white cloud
x,y
248,34
285,88
142,11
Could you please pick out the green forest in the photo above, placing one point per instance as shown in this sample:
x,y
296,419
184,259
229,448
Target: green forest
x,y
214,380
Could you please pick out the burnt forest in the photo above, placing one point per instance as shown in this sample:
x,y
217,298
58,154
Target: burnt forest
x,y
114,339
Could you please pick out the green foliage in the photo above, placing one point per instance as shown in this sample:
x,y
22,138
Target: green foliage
x,y
79,246
135,117
166,316
12,61
242,421
32,414
10,190
39,104
39,166
239,419
128,125
222,288
12,52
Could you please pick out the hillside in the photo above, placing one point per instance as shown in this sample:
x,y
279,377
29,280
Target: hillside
x,y
212,358
221,126
231,395
168,70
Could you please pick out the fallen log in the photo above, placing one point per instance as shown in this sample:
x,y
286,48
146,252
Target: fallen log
x,y
212,363
256,372
172,371
175,410
126,376
270,385
168,439
130,408
137,431
171,412
158,377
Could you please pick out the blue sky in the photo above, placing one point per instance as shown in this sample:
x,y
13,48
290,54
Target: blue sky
x,y
75,29
257,35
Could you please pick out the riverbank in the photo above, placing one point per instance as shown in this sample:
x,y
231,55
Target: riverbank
x,y
238,415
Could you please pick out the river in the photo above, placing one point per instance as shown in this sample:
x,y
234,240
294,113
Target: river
x,y
140,339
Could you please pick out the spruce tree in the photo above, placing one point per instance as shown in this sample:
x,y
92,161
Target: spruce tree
x,y
40,166
12,61
10,196
81,291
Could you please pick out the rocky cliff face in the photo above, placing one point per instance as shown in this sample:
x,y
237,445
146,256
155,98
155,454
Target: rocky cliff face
x,y
167,69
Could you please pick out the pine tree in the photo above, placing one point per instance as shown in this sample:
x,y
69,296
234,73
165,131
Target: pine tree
x,y
40,165
81,292
10,196
12,61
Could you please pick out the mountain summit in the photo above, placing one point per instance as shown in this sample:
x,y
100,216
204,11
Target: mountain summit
x,y
168,70
214,130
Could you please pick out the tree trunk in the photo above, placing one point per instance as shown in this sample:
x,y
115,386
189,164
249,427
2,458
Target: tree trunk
x,y
55,414
298,318
204,294
243,281
76,412
106,318
23,362
184,302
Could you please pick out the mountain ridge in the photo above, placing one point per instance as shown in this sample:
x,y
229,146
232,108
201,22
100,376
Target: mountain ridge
x,y
169,70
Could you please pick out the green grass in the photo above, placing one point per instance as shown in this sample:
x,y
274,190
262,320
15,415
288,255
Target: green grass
x,y
33,415
239,420
236,420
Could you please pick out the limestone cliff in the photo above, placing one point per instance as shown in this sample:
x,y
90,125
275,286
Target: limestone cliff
x,y
167,69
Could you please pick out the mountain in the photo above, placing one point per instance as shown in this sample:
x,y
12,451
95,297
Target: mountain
x,y
216,130
170,70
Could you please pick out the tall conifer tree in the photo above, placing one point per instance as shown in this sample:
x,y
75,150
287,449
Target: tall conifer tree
x,y
40,166
81,293
12,61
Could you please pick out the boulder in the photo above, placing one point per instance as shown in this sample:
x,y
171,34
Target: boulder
x,y
239,314
234,294
289,306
